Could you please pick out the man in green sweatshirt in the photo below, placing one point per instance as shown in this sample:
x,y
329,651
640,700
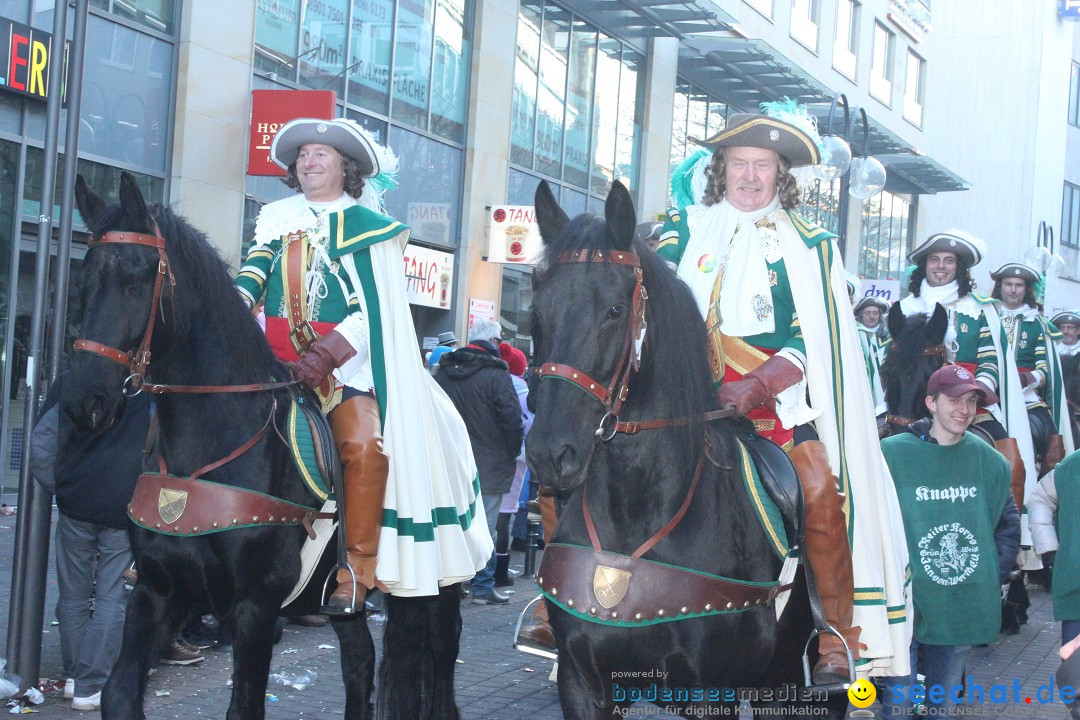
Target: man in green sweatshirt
x,y
963,534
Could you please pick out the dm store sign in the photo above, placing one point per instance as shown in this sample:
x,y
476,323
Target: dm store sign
x,y
513,236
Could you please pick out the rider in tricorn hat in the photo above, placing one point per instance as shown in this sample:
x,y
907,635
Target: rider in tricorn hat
x,y
327,263
771,289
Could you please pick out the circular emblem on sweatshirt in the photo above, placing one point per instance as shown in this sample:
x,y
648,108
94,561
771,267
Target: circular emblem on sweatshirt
x,y
706,263
948,553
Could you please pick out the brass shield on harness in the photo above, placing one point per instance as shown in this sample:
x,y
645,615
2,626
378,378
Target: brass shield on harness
x,y
610,585
171,504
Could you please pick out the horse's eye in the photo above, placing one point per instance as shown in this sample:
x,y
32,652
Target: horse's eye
x,y
615,311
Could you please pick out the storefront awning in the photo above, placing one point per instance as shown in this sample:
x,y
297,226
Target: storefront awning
x,y
641,19
745,73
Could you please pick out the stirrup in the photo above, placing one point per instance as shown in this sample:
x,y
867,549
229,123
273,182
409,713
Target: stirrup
x,y
327,609
808,677
550,654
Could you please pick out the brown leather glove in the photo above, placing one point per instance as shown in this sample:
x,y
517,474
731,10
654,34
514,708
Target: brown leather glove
x,y
327,354
759,386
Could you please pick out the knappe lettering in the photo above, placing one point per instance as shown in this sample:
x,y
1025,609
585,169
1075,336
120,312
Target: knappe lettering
x,y
952,493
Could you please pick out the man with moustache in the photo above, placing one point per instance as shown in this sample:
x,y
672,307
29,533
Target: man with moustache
x,y
773,295
869,313
1069,325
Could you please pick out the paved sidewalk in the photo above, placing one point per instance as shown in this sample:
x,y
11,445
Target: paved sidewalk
x,y
493,680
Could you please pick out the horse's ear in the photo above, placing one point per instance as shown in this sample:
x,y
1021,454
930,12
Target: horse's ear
x,y
549,216
89,203
131,200
896,320
939,323
620,216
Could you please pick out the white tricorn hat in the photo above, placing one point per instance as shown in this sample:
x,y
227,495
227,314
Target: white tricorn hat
x,y
344,135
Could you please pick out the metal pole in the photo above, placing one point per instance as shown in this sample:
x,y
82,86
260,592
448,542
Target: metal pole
x,y
30,561
57,341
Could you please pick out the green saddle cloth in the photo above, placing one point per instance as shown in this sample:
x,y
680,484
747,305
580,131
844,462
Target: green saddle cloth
x,y
302,441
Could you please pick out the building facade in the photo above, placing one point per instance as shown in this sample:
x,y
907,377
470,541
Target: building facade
x,y
480,99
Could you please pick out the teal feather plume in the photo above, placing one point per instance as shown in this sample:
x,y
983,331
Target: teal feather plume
x,y
688,180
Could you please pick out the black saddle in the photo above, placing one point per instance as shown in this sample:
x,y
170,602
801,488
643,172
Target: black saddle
x,y
777,474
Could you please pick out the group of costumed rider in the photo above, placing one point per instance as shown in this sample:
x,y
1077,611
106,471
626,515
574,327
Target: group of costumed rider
x,y
785,354
870,315
326,266
1068,324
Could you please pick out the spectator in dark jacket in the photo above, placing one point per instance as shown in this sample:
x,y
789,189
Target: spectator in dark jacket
x,y
93,477
477,381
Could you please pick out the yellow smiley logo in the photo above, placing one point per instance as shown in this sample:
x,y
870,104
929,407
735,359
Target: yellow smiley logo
x,y
862,693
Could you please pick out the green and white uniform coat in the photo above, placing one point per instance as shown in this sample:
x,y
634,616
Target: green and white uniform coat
x,y
840,404
1055,527
1027,342
432,533
873,353
952,497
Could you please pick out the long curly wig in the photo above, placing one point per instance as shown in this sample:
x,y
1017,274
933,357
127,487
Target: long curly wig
x,y
964,283
786,186
354,179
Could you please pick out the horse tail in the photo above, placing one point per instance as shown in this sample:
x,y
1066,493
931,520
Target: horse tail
x,y
420,648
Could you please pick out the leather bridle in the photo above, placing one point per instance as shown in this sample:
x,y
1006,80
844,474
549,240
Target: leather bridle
x,y
139,361
613,394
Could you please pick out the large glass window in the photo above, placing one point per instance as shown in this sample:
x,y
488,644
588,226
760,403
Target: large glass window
x,y
157,15
1074,95
127,96
881,66
514,309
821,203
430,190
577,104
370,44
412,62
914,88
1070,215
276,38
886,236
323,42
696,116
450,73
846,44
526,76
804,22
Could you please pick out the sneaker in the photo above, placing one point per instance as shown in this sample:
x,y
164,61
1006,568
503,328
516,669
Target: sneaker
x,y
69,688
88,703
490,598
177,654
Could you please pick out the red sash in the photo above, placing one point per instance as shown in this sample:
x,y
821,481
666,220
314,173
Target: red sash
x,y
764,418
278,335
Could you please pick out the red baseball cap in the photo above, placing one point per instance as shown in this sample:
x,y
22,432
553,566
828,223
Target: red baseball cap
x,y
955,380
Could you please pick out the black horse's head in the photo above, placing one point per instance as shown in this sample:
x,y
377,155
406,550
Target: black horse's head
x,y
915,353
582,318
198,312
116,287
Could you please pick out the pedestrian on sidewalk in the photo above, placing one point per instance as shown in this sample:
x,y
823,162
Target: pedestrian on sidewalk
x,y
93,477
517,365
963,533
477,381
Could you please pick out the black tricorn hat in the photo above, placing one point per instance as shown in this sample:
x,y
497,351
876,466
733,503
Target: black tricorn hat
x,y
1018,270
762,131
868,301
1065,317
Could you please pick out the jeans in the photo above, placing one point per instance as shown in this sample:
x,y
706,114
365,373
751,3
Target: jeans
x,y
1069,630
90,641
484,581
943,666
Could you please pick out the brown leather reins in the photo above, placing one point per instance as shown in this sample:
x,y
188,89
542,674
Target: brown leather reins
x,y
139,361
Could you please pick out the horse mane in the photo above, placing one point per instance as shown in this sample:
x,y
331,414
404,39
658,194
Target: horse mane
x,y
675,347
204,282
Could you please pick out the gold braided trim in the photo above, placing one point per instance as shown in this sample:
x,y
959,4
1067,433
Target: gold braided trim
x,y
740,355
764,425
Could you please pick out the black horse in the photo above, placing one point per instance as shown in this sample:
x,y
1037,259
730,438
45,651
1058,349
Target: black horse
x,y
586,315
915,352
1070,376
202,334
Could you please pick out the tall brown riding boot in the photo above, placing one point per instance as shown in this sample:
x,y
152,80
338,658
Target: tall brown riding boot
x,y
1011,451
538,632
826,548
1055,453
357,433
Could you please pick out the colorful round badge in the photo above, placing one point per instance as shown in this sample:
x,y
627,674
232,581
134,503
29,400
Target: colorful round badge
x,y
706,263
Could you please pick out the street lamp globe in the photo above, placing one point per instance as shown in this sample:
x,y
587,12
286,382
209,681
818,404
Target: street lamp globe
x,y
1056,266
835,158
867,177
1039,258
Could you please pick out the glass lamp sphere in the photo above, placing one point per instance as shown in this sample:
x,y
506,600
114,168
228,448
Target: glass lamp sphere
x,y
835,158
1038,258
1057,264
867,177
